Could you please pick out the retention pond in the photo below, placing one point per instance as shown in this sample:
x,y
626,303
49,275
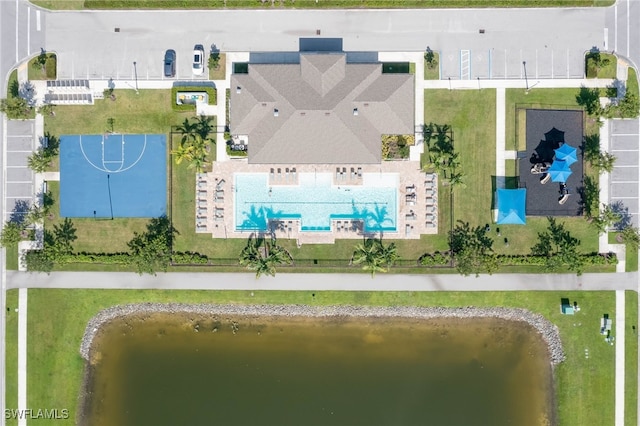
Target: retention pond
x,y
153,366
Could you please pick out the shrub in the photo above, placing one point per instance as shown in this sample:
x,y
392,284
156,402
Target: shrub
x,y
103,258
189,258
435,259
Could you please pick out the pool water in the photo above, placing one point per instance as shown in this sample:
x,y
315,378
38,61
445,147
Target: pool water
x,y
316,201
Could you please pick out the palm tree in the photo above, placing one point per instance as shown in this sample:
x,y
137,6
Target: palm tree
x,y
389,254
263,257
368,254
203,127
183,152
187,129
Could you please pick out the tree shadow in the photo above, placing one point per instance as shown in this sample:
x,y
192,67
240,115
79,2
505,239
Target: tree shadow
x,y
19,212
14,89
625,218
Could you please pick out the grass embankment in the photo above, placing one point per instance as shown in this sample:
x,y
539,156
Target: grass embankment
x,y
11,354
584,388
311,4
631,360
631,253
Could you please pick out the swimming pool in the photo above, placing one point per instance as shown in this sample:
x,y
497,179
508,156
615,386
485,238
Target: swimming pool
x,y
315,201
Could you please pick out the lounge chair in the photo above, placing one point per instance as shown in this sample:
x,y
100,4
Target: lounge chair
x,y
220,184
359,172
286,174
272,173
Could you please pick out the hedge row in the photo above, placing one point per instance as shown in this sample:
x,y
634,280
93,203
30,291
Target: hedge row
x,y
104,258
211,91
443,258
189,258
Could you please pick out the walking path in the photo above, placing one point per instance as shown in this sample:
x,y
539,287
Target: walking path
x,y
317,282
22,354
620,364
500,139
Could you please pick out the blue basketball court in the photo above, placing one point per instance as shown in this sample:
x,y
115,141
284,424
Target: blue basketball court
x,y
113,175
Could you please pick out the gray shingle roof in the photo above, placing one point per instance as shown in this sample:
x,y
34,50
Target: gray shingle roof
x,y
304,113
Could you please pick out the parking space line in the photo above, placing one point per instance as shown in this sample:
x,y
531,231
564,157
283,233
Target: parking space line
x,y
624,134
624,198
21,197
29,150
17,167
19,181
625,166
624,181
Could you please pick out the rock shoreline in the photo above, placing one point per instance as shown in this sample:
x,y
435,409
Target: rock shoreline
x,y
547,330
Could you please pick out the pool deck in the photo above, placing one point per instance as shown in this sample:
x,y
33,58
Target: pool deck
x,y
215,203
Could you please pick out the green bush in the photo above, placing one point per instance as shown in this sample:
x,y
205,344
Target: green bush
x,y
435,259
189,258
211,91
531,260
103,258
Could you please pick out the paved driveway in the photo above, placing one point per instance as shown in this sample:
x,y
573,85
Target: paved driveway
x,y
623,183
19,181
552,42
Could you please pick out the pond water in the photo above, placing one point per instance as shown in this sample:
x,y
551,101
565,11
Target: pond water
x,y
158,370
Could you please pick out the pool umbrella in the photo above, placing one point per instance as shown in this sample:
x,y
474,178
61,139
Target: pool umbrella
x,y
559,171
566,153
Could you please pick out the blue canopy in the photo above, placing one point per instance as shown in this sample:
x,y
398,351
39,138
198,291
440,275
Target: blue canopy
x,y
566,153
511,206
559,171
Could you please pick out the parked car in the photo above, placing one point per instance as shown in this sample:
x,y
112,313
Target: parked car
x,y
198,59
170,63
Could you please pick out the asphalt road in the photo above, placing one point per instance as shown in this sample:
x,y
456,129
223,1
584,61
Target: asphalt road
x,y
552,42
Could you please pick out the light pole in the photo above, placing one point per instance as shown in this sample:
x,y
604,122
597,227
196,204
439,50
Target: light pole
x,y
526,81
135,73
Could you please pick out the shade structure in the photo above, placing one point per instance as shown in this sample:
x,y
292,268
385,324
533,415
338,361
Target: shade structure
x,y
567,153
559,171
554,135
512,206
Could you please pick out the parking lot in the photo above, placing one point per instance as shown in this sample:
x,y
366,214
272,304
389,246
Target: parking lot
x,y
19,181
623,182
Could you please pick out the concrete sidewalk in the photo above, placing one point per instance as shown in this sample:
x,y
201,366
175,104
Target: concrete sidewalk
x,y
318,282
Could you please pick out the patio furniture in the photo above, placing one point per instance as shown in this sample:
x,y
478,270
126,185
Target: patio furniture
x,y
272,173
359,172
202,184
220,184
605,324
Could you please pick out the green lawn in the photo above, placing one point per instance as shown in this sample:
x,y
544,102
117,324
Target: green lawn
x,y
311,4
12,258
472,116
608,71
148,112
584,388
434,72
631,359
522,238
632,82
220,72
11,354
96,235
39,73
631,257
